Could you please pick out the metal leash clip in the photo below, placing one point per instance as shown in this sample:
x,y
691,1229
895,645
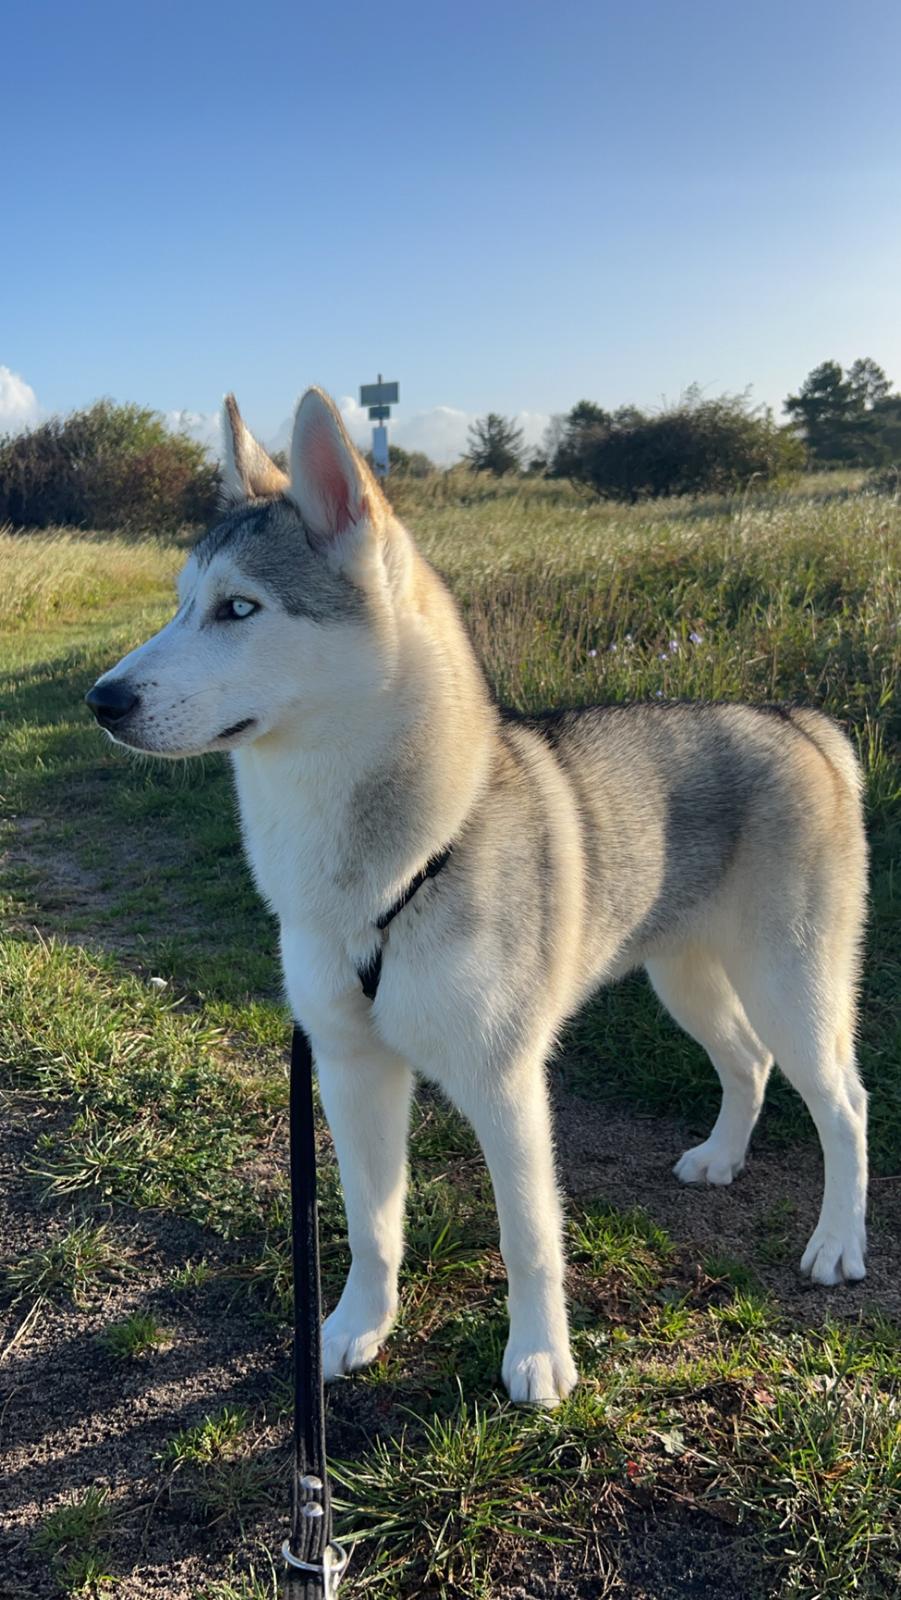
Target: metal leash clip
x,y
334,1557
330,1569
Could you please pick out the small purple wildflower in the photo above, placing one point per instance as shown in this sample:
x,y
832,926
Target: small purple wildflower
x,y
592,652
659,693
674,647
696,638
663,656
613,649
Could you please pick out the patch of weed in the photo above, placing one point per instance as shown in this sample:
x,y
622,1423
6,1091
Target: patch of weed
x,y
80,1259
75,1537
139,1335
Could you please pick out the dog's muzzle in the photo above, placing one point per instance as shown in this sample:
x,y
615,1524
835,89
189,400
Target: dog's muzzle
x,y
112,702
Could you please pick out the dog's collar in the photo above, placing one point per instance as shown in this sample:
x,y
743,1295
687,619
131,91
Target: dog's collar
x,y
370,974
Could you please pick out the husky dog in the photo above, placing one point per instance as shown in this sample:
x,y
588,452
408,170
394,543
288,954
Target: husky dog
x,y
719,846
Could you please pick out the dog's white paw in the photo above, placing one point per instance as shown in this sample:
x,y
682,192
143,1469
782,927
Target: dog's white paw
x,y
708,1163
836,1254
539,1377
350,1342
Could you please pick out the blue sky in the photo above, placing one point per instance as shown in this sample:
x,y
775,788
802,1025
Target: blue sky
x,y
504,205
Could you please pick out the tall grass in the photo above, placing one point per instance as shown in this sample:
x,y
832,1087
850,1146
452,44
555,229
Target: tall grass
x,y
782,595
64,575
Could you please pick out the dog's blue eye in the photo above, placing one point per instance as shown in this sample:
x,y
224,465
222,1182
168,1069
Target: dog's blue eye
x,y
235,609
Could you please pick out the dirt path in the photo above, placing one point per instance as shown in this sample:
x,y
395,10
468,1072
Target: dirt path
x,y
763,1219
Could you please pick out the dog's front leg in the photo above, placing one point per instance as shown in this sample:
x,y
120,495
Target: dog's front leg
x,y
367,1104
366,1090
511,1117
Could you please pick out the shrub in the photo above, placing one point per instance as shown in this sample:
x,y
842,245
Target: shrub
x,y
884,480
109,466
406,463
696,447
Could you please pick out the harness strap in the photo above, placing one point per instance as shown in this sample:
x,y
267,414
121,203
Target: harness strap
x,y
370,974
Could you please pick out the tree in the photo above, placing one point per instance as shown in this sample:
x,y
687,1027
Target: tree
x,y
886,420
495,445
873,426
553,436
846,418
543,456
867,383
822,410
570,440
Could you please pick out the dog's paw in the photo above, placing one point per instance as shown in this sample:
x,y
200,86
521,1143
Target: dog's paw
x,y
708,1163
348,1344
539,1377
835,1255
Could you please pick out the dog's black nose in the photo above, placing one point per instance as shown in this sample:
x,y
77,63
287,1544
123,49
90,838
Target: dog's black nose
x,y
110,702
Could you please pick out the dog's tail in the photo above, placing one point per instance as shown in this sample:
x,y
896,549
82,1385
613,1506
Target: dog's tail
x,y
834,746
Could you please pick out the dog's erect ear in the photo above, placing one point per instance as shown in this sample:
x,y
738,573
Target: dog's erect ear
x,y
329,479
247,471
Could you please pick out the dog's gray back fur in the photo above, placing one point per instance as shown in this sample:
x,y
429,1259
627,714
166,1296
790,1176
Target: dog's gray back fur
x,y
687,821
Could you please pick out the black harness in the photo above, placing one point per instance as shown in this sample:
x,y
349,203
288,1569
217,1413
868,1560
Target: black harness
x,y
315,1562
369,975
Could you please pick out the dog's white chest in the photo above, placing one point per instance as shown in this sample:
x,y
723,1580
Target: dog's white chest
x,y
290,845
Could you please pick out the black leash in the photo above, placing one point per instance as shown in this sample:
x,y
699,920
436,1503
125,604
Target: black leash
x,y
315,1561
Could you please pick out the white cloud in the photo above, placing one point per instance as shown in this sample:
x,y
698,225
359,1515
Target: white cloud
x,y
440,433
19,407
204,426
356,421
534,425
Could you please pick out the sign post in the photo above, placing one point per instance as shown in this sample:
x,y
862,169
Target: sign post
x,y
380,450
379,397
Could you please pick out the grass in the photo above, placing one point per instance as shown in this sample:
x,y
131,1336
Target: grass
x,y
822,1455
214,1466
702,1398
72,1265
478,1477
257,1582
139,1335
214,1439
75,1538
161,1114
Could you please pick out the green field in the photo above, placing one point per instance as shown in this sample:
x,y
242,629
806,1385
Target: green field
x,y
735,1435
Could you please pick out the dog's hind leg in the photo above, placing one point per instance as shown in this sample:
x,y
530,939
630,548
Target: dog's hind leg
x,y
511,1117
696,991
367,1104
803,1007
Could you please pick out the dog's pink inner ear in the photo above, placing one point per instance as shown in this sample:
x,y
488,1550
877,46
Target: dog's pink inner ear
x,y
328,472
